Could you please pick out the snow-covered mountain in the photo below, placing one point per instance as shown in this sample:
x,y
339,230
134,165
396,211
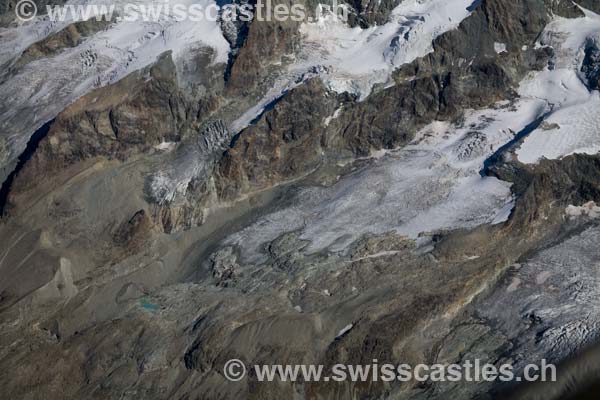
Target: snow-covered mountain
x,y
418,183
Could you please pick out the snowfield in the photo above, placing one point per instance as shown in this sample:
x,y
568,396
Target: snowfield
x,y
574,124
359,58
434,182
431,184
354,59
41,89
559,289
574,129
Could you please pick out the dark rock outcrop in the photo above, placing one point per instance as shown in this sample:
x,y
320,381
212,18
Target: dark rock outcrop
x,y
264,43
464,71
286,143
591,65
71,36
117,121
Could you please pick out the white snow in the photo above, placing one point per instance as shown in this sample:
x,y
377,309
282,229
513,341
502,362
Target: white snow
x,y
354,59
336,114
589,209
500,47
43,88
504,213
359,58
542,277
431,184
386,253
165,146
577,130
344,330
574,124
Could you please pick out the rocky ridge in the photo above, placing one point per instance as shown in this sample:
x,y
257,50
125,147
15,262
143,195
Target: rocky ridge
x,y
116,229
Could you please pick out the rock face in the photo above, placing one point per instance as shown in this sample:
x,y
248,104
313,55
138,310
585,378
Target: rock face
x,y
591,65
252,61
369,13
147,240
71,36
179,192
284,144
136,115
464,71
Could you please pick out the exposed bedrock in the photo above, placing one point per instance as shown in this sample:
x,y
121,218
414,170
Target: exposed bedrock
x,y
291,137
263,44
403,307
463,72
71,36
418,290
285,143
119,280
591,64
125,119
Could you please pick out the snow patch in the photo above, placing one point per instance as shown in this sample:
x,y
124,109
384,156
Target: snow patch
x,y
514,285
429,185
500,47
165,146
344,331
542,277
504,213
360,58
336,114
574,124
589,209
41,89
